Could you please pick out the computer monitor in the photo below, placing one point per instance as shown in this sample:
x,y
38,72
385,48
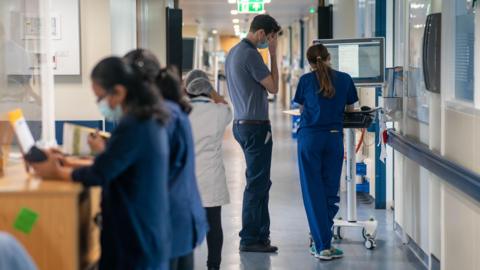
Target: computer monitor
x,y
363,59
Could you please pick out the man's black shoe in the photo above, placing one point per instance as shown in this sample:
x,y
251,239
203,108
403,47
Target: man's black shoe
x,y
259,248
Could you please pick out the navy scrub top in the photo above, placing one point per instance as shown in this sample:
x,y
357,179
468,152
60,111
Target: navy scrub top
x,y
187,216
133,174
319,112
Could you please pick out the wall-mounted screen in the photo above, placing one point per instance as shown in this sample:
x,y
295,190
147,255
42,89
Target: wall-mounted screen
x,y
363,59
188,57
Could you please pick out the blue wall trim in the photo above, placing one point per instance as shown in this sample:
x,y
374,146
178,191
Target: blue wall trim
x,y
36,127
380,167
456,175
302,44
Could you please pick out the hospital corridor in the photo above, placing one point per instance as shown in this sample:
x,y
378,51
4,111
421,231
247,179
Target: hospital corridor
x,y
239,134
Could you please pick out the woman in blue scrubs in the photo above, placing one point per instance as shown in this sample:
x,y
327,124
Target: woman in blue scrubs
x,y
187,216
324,94
132,171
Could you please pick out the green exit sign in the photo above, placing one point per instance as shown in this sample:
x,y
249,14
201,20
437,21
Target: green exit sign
x,y
251,1
253,6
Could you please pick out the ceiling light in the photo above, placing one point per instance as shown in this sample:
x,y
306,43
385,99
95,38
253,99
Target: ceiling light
x,y
214,31
234,12
232,1
235,20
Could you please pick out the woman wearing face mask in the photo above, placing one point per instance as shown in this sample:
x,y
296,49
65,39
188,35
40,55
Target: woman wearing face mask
x,y
189,224
324,94
132,171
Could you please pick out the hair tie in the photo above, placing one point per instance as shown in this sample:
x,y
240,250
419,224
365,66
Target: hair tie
x,y
163,73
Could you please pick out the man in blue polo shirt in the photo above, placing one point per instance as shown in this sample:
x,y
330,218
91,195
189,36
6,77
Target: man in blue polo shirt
x,y
249,81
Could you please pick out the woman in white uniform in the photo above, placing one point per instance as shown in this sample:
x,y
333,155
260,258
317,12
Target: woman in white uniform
x,y
209,118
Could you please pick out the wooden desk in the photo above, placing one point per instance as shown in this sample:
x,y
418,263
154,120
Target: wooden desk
x,y
64,236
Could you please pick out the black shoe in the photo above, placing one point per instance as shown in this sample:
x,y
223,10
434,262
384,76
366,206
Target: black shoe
x,y
259,248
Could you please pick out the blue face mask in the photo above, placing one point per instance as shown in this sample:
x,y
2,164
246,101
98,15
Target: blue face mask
x,y
263,45
113,115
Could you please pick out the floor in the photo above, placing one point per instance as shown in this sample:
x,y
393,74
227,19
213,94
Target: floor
x,y
289,228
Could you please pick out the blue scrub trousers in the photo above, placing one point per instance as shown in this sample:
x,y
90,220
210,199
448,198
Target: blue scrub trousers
x,y
256,143
320,159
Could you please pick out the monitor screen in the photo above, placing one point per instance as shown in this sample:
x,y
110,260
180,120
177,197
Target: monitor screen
x,y
363,59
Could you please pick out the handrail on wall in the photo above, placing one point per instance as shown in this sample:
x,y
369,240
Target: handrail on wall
x,y
464,179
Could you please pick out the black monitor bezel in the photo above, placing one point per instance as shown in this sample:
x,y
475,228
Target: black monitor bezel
x,y
377,81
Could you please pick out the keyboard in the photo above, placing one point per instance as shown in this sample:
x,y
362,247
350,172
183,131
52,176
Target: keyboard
x,y
361,119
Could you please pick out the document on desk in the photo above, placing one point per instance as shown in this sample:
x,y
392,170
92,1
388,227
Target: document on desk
x,y
75,139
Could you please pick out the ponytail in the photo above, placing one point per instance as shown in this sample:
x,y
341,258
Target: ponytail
x,y
165,80
169,84
318,56
324,78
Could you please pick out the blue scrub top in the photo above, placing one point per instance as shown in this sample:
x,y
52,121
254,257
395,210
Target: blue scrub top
x,y
187,216
133,174
319,112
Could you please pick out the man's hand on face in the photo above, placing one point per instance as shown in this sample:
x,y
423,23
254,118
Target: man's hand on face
x,y
272,44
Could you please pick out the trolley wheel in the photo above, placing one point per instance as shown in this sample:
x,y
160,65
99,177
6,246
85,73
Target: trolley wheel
x,y
370,243
339,233
367,236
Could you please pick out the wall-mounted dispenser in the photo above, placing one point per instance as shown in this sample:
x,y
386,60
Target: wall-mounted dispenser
x,y
432,52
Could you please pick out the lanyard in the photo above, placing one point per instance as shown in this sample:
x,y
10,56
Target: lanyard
x,y
198,100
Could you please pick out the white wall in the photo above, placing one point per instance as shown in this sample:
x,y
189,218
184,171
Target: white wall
x,y
123,25
152,28
74,99
108,27
344,19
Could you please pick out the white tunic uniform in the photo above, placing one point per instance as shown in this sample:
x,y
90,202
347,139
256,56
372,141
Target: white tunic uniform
x,y
209,121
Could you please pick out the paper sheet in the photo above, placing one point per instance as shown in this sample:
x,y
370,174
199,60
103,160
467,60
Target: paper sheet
x,y
75,139
348,60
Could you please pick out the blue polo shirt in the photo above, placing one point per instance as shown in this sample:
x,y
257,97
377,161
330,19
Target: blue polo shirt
x,y
319,112
245,69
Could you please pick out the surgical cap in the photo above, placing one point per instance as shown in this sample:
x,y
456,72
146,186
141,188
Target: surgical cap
x,y
197,83
196,73
199,86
